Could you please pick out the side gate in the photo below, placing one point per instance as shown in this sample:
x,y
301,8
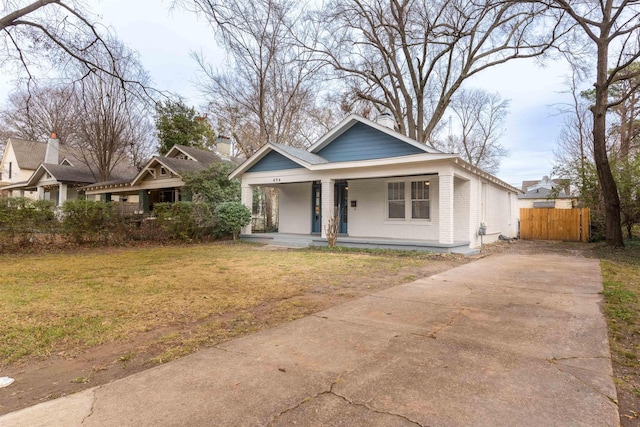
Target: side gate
x,y
570,225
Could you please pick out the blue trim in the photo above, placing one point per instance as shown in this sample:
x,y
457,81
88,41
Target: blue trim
x,y
274,161
362,142
316,207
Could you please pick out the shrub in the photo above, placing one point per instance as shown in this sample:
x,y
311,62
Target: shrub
x,y
232,216
185,220
597,232
87,220
22,218
332,231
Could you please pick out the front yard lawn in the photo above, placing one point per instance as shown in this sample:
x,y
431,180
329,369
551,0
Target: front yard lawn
x,y
78,319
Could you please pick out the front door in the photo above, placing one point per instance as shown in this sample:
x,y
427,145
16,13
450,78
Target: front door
x,y
341,198
316,207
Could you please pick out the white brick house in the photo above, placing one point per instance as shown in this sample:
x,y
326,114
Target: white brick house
x,y
381,185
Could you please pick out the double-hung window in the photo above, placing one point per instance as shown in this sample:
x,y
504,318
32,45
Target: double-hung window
x,y
395,200
399,192
420,199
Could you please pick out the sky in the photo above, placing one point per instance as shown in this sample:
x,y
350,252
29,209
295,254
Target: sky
x,y
165,40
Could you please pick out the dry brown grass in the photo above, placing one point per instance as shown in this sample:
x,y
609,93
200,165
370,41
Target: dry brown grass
x,y
64,303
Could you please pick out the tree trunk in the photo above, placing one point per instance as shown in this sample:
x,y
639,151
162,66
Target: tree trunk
x,y
613,229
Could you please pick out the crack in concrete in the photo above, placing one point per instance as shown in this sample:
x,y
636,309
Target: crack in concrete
x,y
350,402
93,404
456,304
305,400
369,408
558,359
452,319
590,386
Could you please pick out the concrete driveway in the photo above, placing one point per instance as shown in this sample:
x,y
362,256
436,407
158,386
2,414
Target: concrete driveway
x,y
509,340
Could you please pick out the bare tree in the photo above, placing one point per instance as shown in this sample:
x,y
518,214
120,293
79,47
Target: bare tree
x,y
268,85
625,125
45,36
36,114
613,29
480,120
114,121
574,152
409,57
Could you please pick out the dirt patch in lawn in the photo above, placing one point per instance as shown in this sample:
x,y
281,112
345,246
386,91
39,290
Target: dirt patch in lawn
x,y
78,320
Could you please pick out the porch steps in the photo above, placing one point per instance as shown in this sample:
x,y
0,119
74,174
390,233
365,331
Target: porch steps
x,y
283,240
306,240
401,245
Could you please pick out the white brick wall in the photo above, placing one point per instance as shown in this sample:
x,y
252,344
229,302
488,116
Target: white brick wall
x,y
247,200
498,211
295,208
461,205
445,208
328,208
369,217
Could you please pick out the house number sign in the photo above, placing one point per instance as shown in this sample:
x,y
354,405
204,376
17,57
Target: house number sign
x,y
276,179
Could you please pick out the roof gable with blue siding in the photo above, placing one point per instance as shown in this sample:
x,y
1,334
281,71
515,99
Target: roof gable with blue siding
x,y
362,142
274,161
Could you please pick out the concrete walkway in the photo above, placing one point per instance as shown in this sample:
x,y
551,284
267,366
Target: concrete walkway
x,y
509,340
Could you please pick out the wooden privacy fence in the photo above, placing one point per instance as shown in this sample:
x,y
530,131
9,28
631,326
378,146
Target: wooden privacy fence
x,y
570,225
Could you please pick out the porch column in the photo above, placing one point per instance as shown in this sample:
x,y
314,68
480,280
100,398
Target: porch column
x,y
328,209
62,194
445,207
247,200
40,192
143,202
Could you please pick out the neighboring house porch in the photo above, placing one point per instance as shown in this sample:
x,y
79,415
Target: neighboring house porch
x,y
159,181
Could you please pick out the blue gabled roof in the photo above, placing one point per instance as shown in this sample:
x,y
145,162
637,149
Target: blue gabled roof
x,y
363,142
353,139
274,161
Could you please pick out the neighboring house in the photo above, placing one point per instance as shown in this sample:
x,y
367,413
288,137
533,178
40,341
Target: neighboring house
x,y
3,193
160,180
547,193
20,159
53,171
381,185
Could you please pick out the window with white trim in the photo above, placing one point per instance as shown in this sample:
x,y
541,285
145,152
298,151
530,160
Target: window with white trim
x,y
395,200
417,192
420,199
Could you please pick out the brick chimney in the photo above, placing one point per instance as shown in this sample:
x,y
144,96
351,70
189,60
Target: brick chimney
x,y
51,155
386,120
223,145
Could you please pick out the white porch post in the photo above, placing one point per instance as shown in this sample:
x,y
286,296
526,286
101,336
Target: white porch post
x,y
445,206
247,200
40,192
62,194
327,205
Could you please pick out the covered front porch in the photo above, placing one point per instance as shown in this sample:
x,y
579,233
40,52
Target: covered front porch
x,y
291,240
428,209
132,199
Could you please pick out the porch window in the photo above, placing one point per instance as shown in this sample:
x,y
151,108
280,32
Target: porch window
x,y
420,199
395,200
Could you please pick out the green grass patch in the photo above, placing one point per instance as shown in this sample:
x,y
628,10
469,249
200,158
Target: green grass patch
x,y
621,281
67,302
